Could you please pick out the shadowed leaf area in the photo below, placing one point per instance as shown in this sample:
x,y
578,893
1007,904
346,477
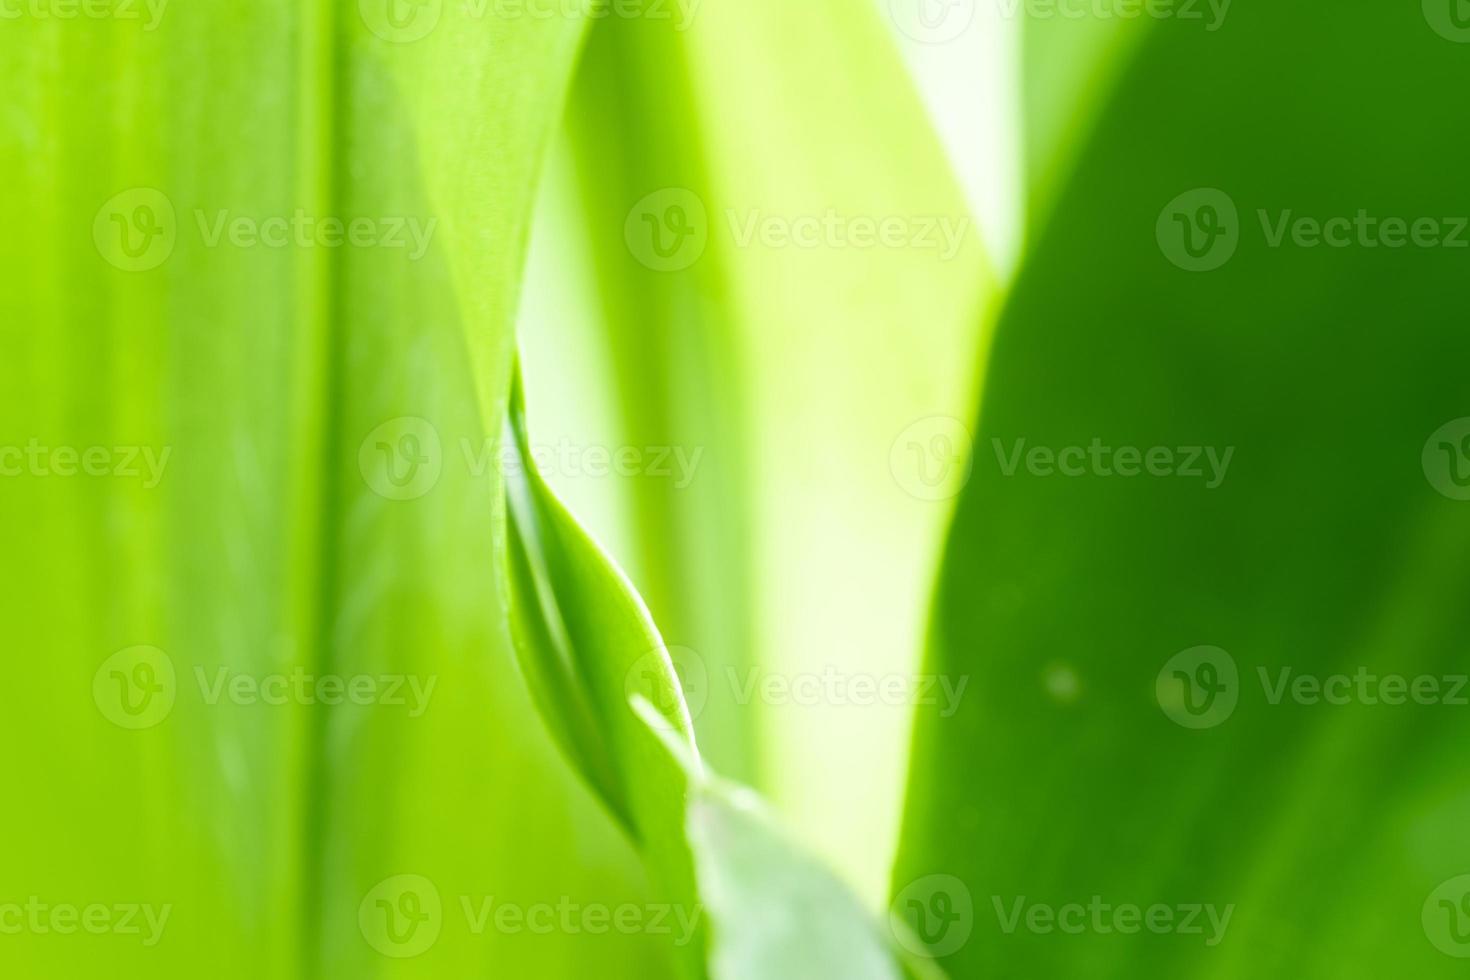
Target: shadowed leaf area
x,y
1086,766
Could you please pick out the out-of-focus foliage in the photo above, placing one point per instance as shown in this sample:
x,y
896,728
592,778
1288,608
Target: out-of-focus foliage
x,y
313,673
267,539
268,267
1128,739
787,363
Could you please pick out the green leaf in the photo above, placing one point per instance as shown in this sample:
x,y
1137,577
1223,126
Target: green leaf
x,y
274,541
607,688
671,357
1069,70
792,369
587,645
1335,833
774,911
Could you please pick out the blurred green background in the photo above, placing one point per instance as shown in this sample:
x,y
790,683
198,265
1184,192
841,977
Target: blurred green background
x,y
1039,431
